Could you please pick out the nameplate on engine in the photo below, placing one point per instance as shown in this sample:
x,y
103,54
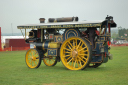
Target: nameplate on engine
x,y
52,52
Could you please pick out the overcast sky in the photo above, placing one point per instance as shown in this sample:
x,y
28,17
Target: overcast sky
x,y
19,12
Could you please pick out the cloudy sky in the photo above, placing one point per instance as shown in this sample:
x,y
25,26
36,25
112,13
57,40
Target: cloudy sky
x,y
19,12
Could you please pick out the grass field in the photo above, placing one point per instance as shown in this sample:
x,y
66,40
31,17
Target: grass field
x,y
13,71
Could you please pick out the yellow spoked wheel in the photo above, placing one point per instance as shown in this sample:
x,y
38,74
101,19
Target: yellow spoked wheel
x,y
75,53
32,58
50,61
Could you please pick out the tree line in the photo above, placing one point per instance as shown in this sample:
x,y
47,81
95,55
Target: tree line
x,y
122,34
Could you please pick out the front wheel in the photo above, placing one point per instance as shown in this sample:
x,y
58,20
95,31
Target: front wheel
x,y
33,58
50,61
75,53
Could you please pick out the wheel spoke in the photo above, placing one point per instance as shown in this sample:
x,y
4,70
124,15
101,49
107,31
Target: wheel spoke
x,y
81,45
67,49
83,54
82,49
78,63
31,62
52,60
29,56
78,45
49,61
67,52
66,55
73,43
34,63
29,59
68,58
76,42
69,61
75,64
84,58
81,59
72,63
70,44
32,53
35,54
46,59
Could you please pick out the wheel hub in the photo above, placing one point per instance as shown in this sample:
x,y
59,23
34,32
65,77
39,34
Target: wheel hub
x,y
33,58
74,53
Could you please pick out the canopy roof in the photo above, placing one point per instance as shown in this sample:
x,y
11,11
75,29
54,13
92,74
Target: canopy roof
x,y
75,24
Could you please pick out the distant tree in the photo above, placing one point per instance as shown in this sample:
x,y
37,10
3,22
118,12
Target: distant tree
x,y
123,33
114,35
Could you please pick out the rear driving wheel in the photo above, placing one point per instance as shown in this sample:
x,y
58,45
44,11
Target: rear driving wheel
x,y
75,53
32,58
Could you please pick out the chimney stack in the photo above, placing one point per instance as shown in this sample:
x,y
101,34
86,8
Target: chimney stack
x,y
42,20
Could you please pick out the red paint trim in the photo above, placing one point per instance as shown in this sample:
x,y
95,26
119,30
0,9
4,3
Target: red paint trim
x,y
105,54
109,43
109,28
0,39
97,32
39,33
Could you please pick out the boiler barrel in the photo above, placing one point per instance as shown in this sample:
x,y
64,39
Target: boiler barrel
x,y
66,19
47,44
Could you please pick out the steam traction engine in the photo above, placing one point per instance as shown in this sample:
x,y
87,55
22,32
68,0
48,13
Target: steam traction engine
x,y
77,44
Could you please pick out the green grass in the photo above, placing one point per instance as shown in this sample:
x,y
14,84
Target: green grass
x,y
13,71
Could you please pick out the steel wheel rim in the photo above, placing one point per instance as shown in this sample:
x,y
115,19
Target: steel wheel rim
x,y
74,53
32,58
